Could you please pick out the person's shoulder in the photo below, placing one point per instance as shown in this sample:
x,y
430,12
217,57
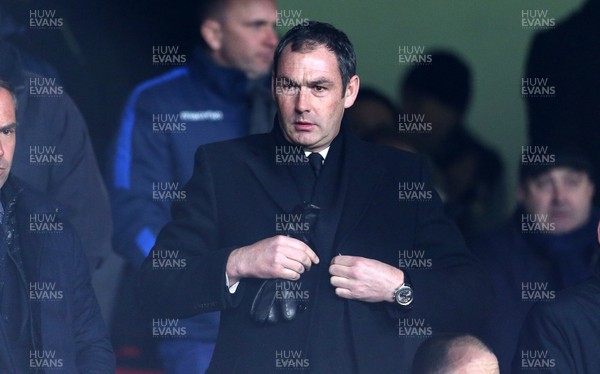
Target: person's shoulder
x,y
503,232
473,144
158,85
29,199
569,34
569,30
383,152
501,244
395,153
585,295
250,143
581,301
37,213
61,100
228,155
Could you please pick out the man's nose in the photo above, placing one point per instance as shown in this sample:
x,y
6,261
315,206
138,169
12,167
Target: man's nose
x,y
271,38
560,193
302,100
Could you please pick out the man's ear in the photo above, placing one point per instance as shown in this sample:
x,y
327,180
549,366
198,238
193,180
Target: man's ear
x,y
351,91
273,88
212,34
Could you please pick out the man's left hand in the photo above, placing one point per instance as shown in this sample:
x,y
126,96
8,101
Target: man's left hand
x,y
364,279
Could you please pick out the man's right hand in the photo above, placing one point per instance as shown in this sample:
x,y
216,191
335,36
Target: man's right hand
x,y
275,257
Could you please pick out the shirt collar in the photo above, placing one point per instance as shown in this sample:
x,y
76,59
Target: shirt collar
x,y
323,153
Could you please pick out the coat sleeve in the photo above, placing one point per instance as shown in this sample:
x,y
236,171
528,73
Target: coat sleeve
x,y
185,272
83,179
542,346
141,158
451,292
77,183
94,352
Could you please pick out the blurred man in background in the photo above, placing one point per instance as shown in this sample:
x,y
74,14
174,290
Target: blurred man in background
x,y
222,93
434,101
54,153
374,118
562,336
49,313
546,246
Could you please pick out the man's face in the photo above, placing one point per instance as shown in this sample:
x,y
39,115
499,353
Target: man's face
x,y
563,194
244,37
309,94
8,125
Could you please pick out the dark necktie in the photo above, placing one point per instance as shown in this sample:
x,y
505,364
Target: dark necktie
x,y
316,162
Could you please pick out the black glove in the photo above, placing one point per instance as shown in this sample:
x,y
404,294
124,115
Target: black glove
x,y
270,306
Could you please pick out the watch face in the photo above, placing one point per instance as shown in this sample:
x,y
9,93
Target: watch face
x,y
404,296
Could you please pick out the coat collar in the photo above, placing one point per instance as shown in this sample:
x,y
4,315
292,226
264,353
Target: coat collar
x,y
270,172
10,191
25,247
230,83
361,175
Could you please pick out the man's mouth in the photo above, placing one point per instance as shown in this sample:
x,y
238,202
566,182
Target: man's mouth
x,y
303,125
559,214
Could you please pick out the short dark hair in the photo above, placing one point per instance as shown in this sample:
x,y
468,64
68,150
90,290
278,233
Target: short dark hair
x,y
432,355
447,78
373,94
210,8
8,87
312,34
557,157
383,130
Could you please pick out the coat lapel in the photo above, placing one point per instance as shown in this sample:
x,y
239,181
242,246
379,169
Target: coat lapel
x,y
31,251
361,175
274,177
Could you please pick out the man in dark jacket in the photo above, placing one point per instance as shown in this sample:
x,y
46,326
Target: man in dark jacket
x,y
222,93
54,154
546,246
562,336
50,316
360,212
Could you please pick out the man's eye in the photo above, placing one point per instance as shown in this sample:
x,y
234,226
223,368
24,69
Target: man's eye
x,y
8,131
257,24
319,90
573,181
544,183
288,88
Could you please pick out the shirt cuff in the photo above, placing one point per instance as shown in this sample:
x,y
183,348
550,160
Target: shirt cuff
x,y
233,287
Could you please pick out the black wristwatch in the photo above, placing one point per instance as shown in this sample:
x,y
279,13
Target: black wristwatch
x,y
403,295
